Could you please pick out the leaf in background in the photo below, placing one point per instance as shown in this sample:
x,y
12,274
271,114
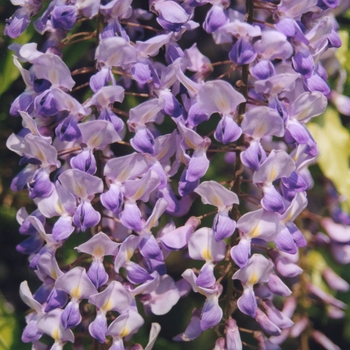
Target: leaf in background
x,y
7,324
8,71
342,54
333,142
316,263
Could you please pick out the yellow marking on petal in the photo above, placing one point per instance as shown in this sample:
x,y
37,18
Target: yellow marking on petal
x,y
191,88
190,144
107,306
162,153
125,331
79,191
153,222
41,156
128,254
53,77
201,291
56,334
289,216
277,88
59,208
76,293
138,194
216,201
206,254
124,174
95,141
253,279
71,106
54,274
31,128
255,232
261,130
272,176
182,158
42,235
304,113
223,106
98,251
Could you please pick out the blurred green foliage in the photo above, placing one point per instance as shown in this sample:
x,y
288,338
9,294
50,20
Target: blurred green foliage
x,y
333,142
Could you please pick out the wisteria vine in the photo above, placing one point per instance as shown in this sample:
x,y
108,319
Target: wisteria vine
x,y
155,132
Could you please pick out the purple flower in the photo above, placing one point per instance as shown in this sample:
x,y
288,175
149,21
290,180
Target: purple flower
x,y
242,52
64,17
257,270
231,131
215,19
51,325
171,16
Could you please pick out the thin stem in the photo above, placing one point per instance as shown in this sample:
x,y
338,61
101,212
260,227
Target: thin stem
x,y
138,94
99,172
112,218
235,184
78,260
220,63
228,72
139,25
246,330
115,71
310,215
83,70
244,91
250,346
124,143
76,35
81,86
99,27
252,202
87,37
206,215
226,271
230,303
250,196
119,111
68,151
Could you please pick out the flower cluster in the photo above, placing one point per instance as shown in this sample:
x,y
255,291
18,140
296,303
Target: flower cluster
x,y
127,161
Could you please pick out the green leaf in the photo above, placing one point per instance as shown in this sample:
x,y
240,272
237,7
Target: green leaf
x,y
7,324
342,54
8,71
333,142
316,264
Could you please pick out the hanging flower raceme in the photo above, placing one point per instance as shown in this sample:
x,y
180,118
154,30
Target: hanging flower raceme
x,y
116,152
